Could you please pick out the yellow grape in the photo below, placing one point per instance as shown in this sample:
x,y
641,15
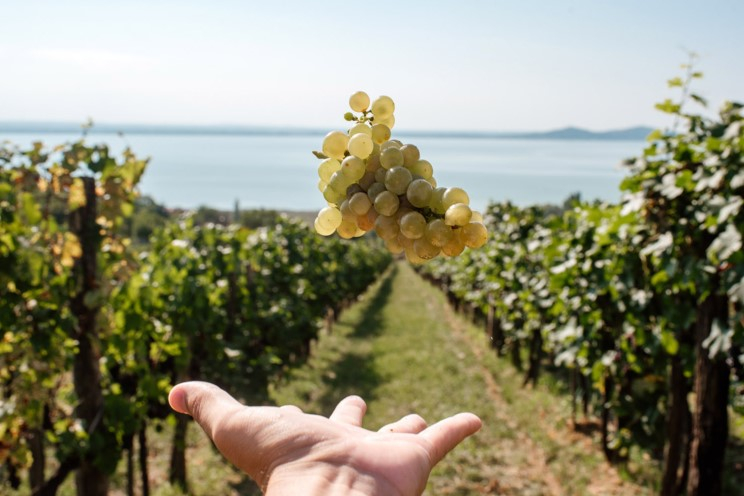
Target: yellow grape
x,y
359,101
334,144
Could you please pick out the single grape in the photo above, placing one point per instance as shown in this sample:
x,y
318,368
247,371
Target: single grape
x,y
386,227
360,204
423,168
367,221
419,193
373,162
458,215
321,185
353,189
425,249
362,127
380,133
391,157
477,217
329,218
346,213
386,203
339,181
455,195
413,257
327,167
380,175
332,196
411,155
436,204
323,230
334,144
431,181
393,246
360,145
397,180
375,189
359,101
347,229
413,225
454,247
353,168
474,235
390,143
382,107
404,241
367,179
438,233
389,121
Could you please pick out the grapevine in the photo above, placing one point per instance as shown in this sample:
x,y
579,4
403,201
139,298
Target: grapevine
x,y
375,183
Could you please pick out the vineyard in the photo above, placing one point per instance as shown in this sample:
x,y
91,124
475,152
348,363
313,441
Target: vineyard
x,y
638,308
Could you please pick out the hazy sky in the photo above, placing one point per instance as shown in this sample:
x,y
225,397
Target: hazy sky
x,y
463,65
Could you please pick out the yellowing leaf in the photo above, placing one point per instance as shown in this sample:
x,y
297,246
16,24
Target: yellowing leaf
x,y
77,194
71,250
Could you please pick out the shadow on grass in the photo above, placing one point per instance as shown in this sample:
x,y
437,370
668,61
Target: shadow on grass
x,y
353,372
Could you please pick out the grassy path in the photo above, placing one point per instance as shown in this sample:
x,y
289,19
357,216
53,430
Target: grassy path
x,y
404,350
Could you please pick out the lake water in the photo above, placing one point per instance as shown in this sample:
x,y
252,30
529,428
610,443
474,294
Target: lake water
x,y
280,171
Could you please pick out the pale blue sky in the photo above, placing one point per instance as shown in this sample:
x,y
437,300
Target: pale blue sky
x,y
461,65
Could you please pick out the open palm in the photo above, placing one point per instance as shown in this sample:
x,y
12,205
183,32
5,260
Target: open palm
x,y
290,452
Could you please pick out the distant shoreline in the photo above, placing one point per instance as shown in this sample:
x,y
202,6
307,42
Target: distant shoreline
x,y
570,133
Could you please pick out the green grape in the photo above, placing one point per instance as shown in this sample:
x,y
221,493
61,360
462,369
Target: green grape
x,y
390,144
401,212
455,195
332,196
359,101
327,167
360,203
424,249
339,181
353,189
413,225
411,155
322,185
360,145
391,157
362,128
386,203
393,246
367,221
353,168
382,107
323,231
389,121
373,162
455,245
419,193
375,189
438,233
386,227
432,181
347,229
380,175
397,180
346,213
423,168
413,257
380,133
458,215
367,180
436,204
404,241
474,235
329,218
334,144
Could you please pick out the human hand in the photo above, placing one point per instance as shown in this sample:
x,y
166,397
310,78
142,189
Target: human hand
x,y
288,452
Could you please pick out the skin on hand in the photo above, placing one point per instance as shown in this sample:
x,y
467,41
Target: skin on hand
x,y
289,452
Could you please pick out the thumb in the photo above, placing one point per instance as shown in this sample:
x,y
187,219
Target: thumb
x,y
205,402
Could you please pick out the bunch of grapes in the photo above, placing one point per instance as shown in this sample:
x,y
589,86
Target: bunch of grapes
x,y
371,181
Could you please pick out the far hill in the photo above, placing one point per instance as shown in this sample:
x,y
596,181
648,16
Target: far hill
x,y
568,133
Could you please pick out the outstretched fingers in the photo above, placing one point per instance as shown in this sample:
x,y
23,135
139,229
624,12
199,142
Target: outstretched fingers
x,y
350,411
448,433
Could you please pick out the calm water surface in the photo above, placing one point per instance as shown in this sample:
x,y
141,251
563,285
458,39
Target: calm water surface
x,y
280,172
